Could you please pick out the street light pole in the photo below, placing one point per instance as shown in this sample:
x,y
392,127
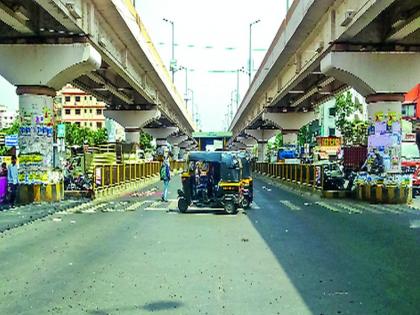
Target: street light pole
x,y
192,102
250,49
172,66
237,88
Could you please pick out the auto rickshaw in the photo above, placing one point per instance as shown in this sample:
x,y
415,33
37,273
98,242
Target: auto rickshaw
x,y
247,183
212,179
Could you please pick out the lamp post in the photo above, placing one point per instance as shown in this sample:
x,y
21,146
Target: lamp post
x,y
172,64
192,102
250,49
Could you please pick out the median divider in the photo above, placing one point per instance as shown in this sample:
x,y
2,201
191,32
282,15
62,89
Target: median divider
x,y
109,180
303,175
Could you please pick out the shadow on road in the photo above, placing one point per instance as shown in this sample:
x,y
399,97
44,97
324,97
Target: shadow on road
x,y
340,263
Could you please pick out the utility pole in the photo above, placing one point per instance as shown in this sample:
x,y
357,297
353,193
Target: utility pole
x,y
172,64
250,49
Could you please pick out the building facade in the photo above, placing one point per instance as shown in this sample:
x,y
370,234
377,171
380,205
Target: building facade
x,y
327,118
7,117
77,107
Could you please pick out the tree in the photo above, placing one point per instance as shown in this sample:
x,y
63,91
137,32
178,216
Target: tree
x,y
278,142
13,129
303,135
76,135
353,131
145,141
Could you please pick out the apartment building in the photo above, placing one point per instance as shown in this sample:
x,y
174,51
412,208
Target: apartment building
x,y
77,107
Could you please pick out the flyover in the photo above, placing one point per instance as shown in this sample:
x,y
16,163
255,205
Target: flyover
x,y
100,46
321,49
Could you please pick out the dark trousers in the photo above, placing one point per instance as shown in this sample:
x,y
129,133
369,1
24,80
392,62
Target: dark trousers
x,y
13,191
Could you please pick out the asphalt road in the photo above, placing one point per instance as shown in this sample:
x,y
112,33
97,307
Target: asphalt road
x,y
288,255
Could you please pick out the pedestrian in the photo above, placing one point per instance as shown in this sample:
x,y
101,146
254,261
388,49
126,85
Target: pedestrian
x,y
3,170
12,180
165,176
3,183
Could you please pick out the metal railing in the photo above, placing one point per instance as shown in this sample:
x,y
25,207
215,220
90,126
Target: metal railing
x,y
302,174
107,176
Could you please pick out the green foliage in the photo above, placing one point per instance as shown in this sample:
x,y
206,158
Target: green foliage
x,y
13,129
303,135
354,131
76,135
145,141
278,142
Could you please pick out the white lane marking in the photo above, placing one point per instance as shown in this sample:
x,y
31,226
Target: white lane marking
x,y
364,208
156,209
137,205
329,207
384,209
350,209
255,206
290,205
414,224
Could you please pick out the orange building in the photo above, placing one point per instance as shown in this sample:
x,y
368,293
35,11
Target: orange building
x,y
77,107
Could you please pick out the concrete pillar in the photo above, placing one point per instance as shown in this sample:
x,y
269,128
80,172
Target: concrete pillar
x,y
174,141
262,151
290,121
133,121
290,138
384,110
383,78
262,136
132,136
248,142
161,134
38,73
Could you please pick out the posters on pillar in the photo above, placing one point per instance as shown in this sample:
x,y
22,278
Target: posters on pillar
x,y
36,140
384,134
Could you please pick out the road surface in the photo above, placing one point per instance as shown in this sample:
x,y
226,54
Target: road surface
x,y
290,254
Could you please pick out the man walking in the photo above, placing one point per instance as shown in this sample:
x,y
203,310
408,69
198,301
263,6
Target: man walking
x,y
12,179
165,176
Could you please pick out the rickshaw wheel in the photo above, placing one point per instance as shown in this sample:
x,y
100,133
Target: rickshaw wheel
x,y
246,204
231,208
182,205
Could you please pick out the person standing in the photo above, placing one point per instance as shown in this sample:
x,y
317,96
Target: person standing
x,y
165,176
12,180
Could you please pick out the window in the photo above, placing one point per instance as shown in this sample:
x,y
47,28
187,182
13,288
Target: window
x,y
332,111
77,111
68,111
77,123
77,98
85,111
67,99
90,124
332,132
90,111
99,125
408,110
99,112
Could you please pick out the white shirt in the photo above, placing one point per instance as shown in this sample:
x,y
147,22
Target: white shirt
x,y
12,174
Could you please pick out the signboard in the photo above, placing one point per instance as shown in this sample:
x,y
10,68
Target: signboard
x,y
329,141
11,141
61,131
409,137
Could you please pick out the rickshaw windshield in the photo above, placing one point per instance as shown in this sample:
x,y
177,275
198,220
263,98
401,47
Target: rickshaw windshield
x,y
230,168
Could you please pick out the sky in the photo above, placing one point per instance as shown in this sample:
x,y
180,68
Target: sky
x,y
209,36
212,35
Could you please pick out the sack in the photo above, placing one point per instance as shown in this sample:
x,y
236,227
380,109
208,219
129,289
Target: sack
x,y
162,172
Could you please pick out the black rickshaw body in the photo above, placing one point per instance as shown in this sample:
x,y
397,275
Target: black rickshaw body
x,y
247,182
211,179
